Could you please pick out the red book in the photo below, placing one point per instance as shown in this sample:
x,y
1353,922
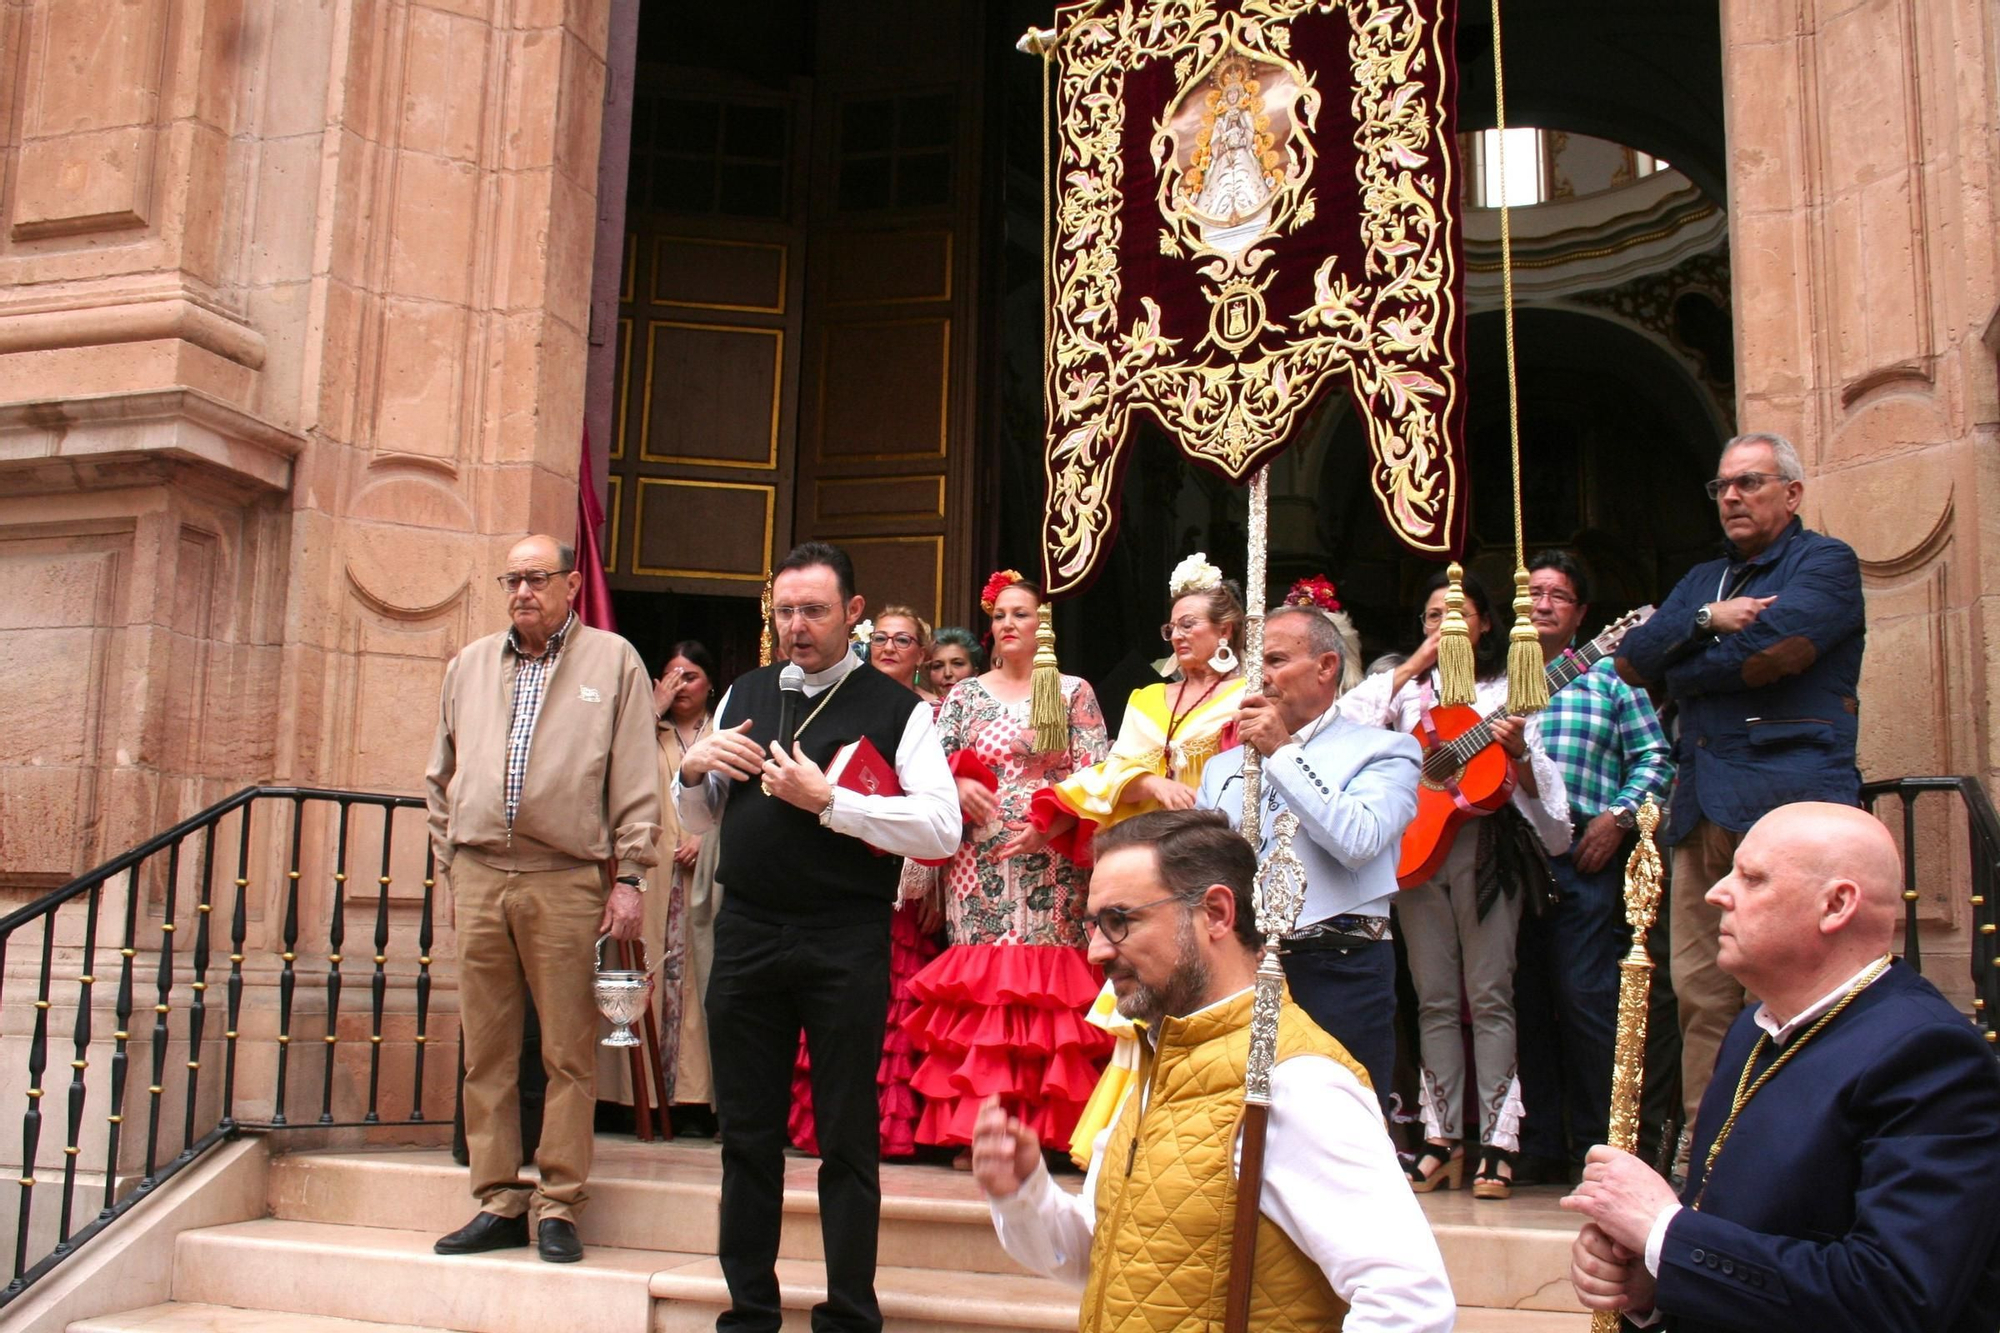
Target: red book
x,y
860,767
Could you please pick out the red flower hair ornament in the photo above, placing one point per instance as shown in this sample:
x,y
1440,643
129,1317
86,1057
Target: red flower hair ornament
x,y
1002,580
1316,591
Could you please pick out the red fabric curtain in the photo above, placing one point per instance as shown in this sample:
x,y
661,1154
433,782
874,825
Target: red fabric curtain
x,y
593,600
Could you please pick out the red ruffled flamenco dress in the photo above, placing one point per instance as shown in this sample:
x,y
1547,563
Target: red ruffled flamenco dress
x,y
1001,1011
909,950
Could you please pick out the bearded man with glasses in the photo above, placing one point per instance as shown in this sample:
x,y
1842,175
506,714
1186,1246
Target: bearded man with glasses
x,y
1760,652
1341,1241
802,939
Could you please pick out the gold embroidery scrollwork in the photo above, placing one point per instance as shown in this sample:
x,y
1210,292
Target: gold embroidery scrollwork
x,y
1386,333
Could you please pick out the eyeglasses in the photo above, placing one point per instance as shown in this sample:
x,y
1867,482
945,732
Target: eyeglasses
x,y
812,612
884,640
536,579
1553,596
1186,625
1115,923
1748,483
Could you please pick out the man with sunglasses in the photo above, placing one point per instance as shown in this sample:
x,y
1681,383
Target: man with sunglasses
x,y
1341,1241
544,767
1760,653
802,939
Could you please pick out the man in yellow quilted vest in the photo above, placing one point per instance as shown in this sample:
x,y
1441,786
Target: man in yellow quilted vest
x,y
1341,1242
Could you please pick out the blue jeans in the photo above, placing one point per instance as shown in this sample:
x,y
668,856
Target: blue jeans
x,y
1566,995
1351,994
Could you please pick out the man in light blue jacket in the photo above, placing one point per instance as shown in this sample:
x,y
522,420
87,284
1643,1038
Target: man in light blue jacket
x,y
1353,789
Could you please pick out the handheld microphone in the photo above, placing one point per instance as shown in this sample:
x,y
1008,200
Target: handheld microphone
x,y
791,689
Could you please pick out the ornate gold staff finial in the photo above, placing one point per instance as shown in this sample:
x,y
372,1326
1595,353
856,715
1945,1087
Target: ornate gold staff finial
x,y
1635,980
764,644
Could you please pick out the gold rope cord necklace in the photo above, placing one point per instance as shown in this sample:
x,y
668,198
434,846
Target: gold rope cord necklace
x,y
1742,1095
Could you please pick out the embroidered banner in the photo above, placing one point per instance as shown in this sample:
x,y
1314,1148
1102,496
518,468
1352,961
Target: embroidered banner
x,y
1256,204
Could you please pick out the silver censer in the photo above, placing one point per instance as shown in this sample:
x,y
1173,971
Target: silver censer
x,y
621,995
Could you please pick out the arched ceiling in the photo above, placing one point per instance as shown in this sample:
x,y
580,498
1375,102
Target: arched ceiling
x,y
1647,73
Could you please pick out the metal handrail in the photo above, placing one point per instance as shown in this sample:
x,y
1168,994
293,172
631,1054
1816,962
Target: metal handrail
x,y
1983,838
148,944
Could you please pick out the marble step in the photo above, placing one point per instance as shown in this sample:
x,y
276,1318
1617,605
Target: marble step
x,y
913,1300
1504,1256
388,1276
646,1197
189,1317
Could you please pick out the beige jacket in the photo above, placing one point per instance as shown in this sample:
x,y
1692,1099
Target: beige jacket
x,y
593,768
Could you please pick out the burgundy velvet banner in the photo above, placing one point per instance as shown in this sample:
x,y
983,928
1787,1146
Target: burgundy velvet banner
x,y
1256,205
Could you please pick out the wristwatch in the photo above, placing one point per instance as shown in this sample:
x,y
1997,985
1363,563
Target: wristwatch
x,y
636,881
1624,816
1703,617
826,814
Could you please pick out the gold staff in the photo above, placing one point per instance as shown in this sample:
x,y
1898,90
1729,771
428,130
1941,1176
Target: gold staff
x,y
1635,980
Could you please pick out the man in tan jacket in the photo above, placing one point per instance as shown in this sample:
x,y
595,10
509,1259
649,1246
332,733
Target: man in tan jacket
x,y
543,769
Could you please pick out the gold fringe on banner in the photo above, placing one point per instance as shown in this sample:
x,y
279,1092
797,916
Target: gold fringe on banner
x,y
1455,671
1046,712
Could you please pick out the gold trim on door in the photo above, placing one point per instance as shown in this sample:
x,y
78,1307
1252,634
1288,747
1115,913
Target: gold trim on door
x,y
937,543
777,337
624,384
878,515
770,494
615,485
784,274
834,329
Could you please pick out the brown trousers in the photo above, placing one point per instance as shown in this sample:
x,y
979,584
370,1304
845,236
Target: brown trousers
x,y
1709,998
532,929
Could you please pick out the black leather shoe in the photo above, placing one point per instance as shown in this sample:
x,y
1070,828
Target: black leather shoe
x,y
557,1242
488,1231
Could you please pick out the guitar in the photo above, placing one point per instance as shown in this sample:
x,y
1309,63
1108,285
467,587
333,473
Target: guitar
x,y
1466,773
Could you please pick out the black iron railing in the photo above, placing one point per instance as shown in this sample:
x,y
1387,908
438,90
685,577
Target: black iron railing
x,y
160,903
1983,847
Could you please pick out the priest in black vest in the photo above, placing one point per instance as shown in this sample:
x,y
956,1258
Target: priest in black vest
x,y
802,939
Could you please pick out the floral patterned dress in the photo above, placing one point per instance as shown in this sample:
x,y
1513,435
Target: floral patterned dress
x,y
1001,1011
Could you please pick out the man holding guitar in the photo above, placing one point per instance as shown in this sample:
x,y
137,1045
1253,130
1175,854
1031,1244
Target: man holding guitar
x,y
1460,914
1605,737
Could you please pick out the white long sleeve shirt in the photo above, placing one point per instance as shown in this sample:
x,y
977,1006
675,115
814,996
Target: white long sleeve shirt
x,y
923,822
1331,1183
1370,704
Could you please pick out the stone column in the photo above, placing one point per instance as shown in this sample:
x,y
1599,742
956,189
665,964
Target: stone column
x,y
293,304
1861,137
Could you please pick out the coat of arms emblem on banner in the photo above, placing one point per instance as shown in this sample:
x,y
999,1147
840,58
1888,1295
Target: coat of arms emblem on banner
x,y
1254,205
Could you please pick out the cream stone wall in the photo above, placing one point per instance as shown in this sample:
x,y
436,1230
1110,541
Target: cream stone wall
x,y
293,303
1861,138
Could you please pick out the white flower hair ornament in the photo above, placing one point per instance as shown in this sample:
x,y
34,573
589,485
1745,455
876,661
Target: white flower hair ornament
x,y
862,629
1193,574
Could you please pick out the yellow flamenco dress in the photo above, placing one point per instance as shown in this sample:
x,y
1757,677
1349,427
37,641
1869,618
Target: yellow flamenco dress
x,y
1154,741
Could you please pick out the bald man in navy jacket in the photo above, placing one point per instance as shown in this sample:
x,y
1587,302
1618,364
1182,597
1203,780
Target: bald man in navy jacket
x,y
1846,1167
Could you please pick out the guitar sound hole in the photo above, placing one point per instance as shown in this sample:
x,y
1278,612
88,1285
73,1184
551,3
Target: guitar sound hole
x,y
1440,777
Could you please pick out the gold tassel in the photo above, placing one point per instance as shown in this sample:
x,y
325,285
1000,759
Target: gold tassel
x,y
1455,670
1527,679
1046,712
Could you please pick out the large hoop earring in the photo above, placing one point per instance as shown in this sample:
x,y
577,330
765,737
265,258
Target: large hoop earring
x,y
1223,660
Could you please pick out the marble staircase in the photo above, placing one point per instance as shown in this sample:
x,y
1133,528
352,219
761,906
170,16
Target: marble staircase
x,y
346,1249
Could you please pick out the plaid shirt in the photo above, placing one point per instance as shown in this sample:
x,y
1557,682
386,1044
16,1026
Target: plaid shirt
x,y
1605,738
530,677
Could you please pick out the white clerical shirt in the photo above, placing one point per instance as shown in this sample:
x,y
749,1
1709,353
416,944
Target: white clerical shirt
x,y
1331,1183
923,822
